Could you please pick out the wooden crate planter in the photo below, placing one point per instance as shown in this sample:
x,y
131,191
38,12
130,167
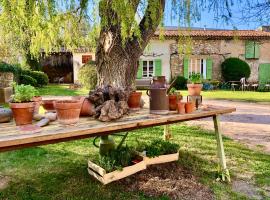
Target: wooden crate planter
x,y
161,159
101,175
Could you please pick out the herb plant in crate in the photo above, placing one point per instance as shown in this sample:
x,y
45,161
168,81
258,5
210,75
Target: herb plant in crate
x,y
22,104
158,151
194,84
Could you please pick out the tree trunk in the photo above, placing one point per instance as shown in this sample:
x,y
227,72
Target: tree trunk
x,y
117,63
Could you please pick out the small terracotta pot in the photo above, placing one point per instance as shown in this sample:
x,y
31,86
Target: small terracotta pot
x,y
87,109
181,107
194,89
22,112
134,100
37,102
48,105
189,107
68,111
173,101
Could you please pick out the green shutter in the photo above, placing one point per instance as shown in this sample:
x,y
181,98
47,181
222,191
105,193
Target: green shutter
x,y
209,68
158,67
256,50
186,64
140,70
249,49
264,73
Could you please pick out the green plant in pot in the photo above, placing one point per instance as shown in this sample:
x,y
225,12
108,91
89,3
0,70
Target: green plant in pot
x,y
22,104
194,84
173,97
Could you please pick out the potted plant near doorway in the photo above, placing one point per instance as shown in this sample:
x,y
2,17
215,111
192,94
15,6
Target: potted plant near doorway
x,y
194,84
22,104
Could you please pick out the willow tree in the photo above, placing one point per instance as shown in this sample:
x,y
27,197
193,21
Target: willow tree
x,y
122,35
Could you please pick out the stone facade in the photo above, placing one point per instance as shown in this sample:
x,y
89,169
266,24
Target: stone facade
x,y
218,50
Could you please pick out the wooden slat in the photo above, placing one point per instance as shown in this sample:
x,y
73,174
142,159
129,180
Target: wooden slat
x,y
12,138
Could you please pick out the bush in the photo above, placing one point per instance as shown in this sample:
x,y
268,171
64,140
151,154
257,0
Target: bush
x,y
40,77
88,76
28,80
23,93
180,83
233,69
15,69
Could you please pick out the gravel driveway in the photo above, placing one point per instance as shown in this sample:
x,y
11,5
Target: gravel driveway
x,y
250,124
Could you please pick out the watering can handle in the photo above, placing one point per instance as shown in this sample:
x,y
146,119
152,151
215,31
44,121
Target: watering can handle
x,y
147,92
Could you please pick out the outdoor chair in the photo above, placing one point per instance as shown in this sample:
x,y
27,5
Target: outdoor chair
x,y
267,86
244,84
233,86
255,85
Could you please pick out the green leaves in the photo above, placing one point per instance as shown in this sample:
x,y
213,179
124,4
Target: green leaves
x,y
23,93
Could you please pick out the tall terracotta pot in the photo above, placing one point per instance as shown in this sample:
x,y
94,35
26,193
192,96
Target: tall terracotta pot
x,y
134,100
189,107
68,111
48,105
194,89
173,101
22,112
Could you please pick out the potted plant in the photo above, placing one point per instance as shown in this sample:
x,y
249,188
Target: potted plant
x,y
134,100
195,84
68,111
158,151
117,164
173,97
22,104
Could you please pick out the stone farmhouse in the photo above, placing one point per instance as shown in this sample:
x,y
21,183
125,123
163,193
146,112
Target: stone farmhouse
x,y
182,52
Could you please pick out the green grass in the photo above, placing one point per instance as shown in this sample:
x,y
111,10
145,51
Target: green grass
x,y
59,171
62,90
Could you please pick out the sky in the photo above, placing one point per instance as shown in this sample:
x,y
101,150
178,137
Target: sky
x,y
208,20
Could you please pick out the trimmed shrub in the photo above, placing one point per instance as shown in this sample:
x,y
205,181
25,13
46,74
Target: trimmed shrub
x,y
180,83
233,69
28,80
15,69
88,76
40,77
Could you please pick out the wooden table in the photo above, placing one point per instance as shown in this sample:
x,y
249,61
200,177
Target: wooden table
x,y
11,137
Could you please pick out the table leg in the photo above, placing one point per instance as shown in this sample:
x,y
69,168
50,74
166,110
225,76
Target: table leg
x,y
167,133
224,172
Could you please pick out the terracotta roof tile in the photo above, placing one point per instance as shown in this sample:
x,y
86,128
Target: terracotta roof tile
x,y
217,34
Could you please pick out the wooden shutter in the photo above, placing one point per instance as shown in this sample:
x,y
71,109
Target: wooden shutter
x,y
186,65
256,50
264,73
158,67
140,70
249,49
209,68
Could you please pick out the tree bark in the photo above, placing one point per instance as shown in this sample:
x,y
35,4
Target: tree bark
x,y
117,62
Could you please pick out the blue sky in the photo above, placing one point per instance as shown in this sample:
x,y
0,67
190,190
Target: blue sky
x,y
208,20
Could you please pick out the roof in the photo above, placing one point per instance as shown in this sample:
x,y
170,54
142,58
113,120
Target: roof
x,y
214,34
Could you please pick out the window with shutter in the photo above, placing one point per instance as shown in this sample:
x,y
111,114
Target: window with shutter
x,y
140,69
209,68
186,65
252,50
158,67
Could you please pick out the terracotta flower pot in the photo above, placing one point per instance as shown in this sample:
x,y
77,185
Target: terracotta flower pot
x,y
87,109
173,101
189,107
181,107
37,102
68,111
48,105
22,112
134,100
194,89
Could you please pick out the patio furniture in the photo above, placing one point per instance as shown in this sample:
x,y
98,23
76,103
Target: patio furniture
x,y
254,86
234,84
12,137
244,84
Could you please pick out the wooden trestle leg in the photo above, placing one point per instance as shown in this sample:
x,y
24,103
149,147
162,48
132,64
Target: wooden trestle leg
x,y
223,171
167,133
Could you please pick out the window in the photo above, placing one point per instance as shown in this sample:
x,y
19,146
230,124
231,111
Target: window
x,y
86,58
148,68
252,50
198,65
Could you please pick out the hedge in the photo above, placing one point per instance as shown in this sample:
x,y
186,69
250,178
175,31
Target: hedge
x,y
15,69
180,83
88,76
28,80
40,77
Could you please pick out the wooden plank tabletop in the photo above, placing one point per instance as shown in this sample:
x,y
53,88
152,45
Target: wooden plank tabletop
x,y
11,137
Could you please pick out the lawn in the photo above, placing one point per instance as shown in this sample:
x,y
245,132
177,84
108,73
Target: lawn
x,y
62,90
59,171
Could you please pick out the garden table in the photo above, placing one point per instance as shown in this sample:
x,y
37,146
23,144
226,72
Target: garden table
x,y
12,137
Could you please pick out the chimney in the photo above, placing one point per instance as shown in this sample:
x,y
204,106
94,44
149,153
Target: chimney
x,y
265,28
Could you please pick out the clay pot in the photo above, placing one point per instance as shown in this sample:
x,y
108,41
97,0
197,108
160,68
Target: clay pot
x,y
181,107
37,102
87,109
173,101
194,89
68,111
22,112
134,100
48,105
189,107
